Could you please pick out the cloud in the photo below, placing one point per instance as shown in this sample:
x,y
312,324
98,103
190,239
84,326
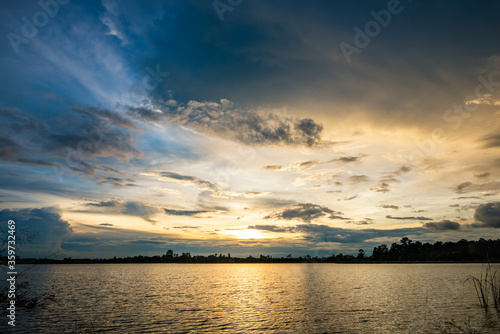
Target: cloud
x,y
355,179
273,167
365,221
116,182
408,218
414,209
93,140
348,198
272,203
184,212
445,225
50,229
347,159
492,140
87,135
112,19
129,208
255,193
305,212
485,99
9,149
467,207
324,233
483,175
105,204
141,210
272,228
305,165
213,188
105,116
384,185
389,206
467,187
487,215
251,127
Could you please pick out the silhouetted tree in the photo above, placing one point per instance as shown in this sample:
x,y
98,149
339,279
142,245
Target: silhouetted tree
x,y
361,254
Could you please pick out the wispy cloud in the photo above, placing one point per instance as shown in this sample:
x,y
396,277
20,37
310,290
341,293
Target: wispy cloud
x,y
168,176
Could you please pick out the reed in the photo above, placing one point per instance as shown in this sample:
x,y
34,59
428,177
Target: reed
x,y
487,287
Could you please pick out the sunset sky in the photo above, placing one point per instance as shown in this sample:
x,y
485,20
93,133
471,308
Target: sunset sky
x,y
248,127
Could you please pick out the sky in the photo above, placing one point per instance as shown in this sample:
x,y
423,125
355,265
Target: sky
x,y
248,127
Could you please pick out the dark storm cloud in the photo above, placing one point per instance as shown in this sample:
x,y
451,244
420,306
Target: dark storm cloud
x,y
305,212
325,233
252,127
483,175
72,143
492,140
92,140
184,212
487,215
445,225
408,218
46,224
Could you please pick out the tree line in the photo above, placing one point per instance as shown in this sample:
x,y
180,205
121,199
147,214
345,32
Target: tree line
x,y
405,251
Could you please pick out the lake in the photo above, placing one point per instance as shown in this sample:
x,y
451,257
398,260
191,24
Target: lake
x,y
258,298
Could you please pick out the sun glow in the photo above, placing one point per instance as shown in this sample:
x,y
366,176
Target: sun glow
x,y
247,234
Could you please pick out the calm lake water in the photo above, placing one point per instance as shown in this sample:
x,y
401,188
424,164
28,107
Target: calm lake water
x,y
245,298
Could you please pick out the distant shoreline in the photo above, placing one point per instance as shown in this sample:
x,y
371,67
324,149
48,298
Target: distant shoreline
x,y
239,261
407,251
